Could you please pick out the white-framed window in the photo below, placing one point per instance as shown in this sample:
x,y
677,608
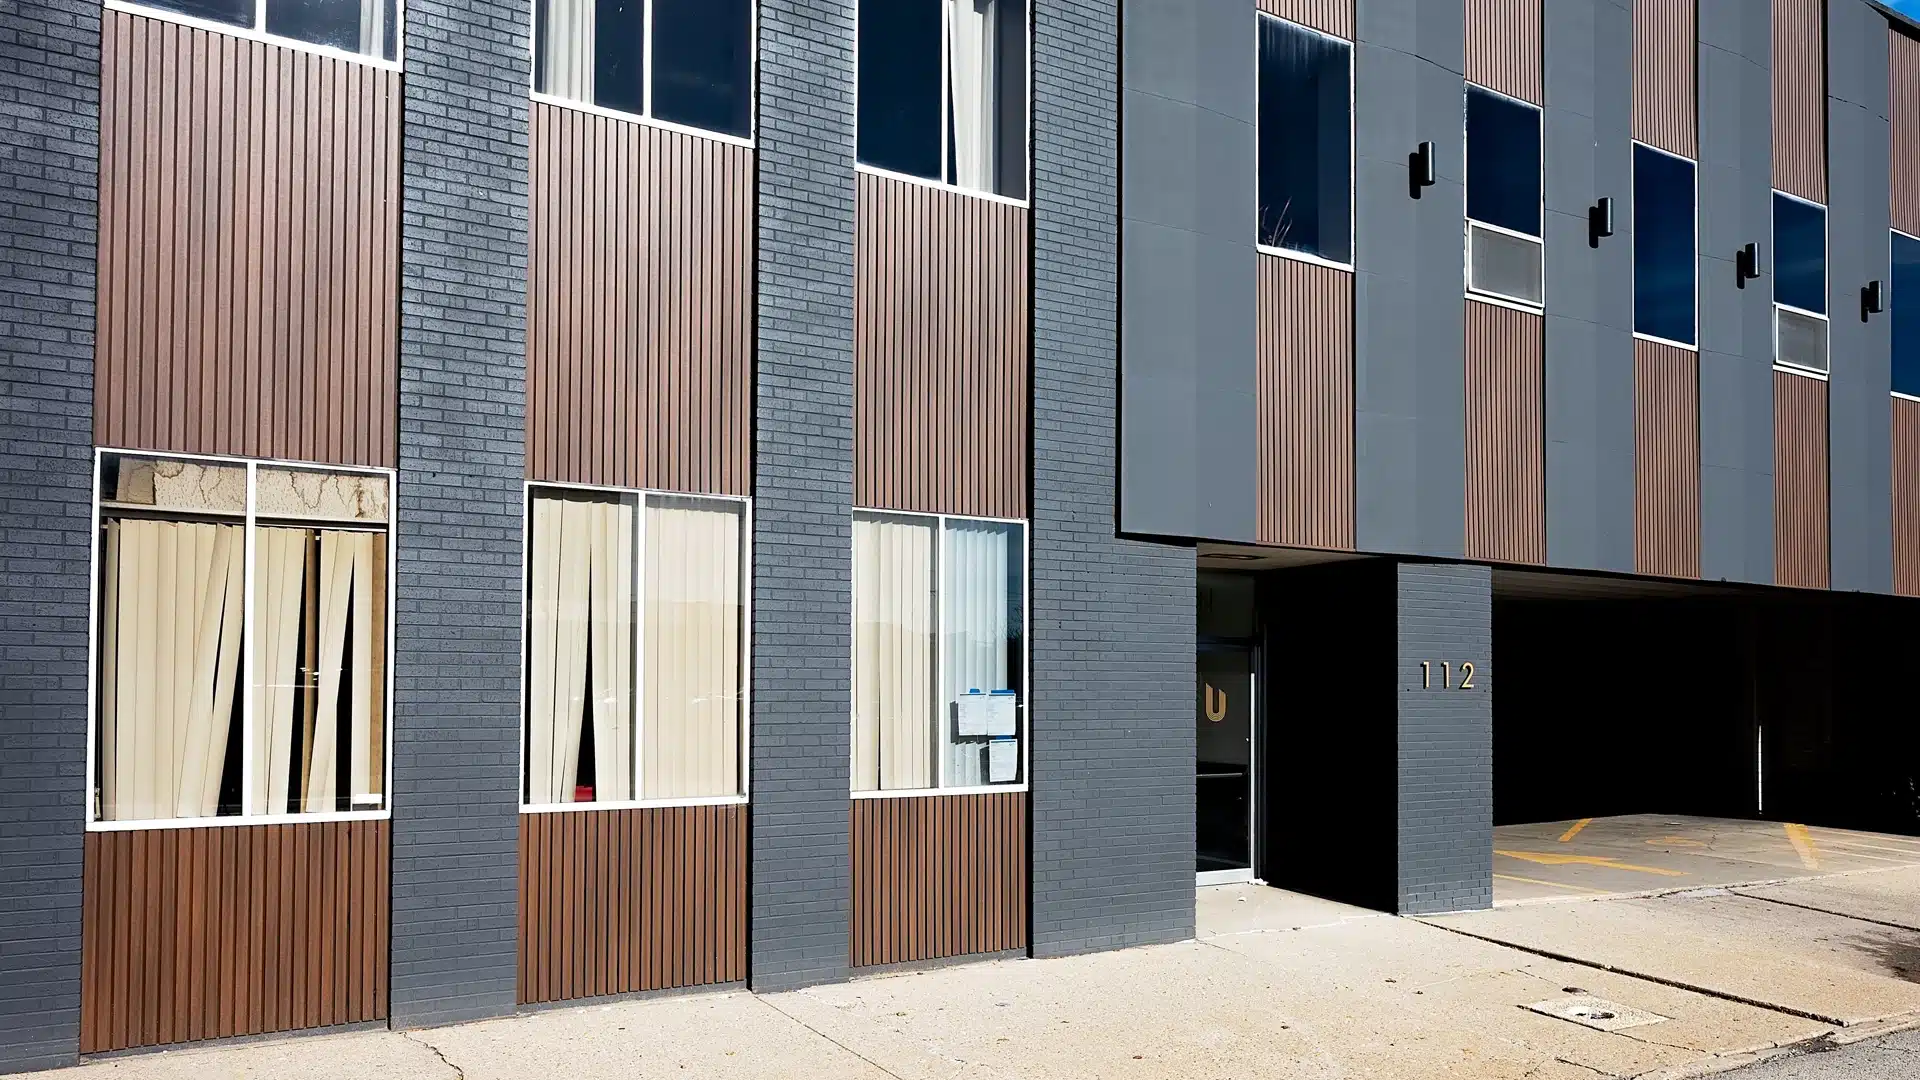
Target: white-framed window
x,y
1799,284
683,63
1305,180
942,92
1904,305
636,648
1504,254
1665,247
939,653
367,29
241,645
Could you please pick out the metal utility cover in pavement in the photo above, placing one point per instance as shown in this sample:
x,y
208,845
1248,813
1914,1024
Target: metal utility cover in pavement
x,y
1596,1013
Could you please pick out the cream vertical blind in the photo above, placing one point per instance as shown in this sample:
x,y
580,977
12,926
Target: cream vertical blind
x,y
691,724
893,610
567,49
581,615
971,89
279,674
974,619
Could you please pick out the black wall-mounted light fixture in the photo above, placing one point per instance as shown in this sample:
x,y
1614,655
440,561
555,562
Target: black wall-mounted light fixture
x,y
1748,263
1599,221
1420,169
1873,299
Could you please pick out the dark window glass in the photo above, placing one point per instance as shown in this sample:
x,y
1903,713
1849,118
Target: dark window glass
x,y
1799,254
703,64
339,24
1305,155
232,12
1010,73
900,122
1663,255
1905,299
1503,162
619,54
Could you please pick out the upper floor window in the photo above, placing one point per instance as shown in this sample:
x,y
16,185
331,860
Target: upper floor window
x,y
1306,141
943,91
636,647
240,646
1503,197
687,62
363,27
1799,283
1663,245
1906,315
939,652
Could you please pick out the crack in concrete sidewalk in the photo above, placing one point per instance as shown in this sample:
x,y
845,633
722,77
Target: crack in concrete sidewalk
x,y
413,1037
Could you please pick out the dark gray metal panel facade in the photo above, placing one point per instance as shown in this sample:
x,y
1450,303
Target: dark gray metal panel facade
x,y
1736,323
803,495
456,724
1445,745
49,169
1409,284
1112,619
1588,125
1187,231
1860,447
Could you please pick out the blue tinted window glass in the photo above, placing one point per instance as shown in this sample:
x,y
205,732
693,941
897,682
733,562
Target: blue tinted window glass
x,y
899,57
1503,162
1905,299
703,63
619,54
1799,254
1663,256
1305,141
334,23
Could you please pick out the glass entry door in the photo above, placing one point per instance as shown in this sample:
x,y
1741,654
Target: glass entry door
x,y
1224,764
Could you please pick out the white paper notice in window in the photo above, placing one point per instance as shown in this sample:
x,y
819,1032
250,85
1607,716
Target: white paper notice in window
x,y
1003,761
980,714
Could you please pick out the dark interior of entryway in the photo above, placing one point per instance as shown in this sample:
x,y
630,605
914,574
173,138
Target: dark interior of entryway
x,y
1617,696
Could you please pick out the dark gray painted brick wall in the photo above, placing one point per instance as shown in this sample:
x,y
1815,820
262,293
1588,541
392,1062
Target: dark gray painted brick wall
x,y
1409,312
49,165
1112,619
1445,745
1736,324
1860,460
1588,125
803,492
1189,270
463,286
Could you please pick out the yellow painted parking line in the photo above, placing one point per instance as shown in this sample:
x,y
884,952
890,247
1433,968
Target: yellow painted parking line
x,y
1859,851
1803,843
1548,884
1545,858
1575,831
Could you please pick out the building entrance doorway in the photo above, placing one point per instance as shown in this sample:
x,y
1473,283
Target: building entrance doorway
x,y
1224,705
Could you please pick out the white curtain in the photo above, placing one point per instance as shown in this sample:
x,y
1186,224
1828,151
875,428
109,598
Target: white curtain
x,y
893,655
171,624
566,49
280,690
691,726
581,608
975,621
971,82
347,628
373,27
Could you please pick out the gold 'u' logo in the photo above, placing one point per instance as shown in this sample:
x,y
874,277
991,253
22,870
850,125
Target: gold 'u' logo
x,y
1216,704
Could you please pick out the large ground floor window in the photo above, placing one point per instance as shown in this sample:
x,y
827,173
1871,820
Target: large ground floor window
x,y
939,652
636,647
241,646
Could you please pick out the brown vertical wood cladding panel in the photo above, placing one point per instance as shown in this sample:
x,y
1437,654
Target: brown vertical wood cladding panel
x,y
1800,98
1305,397
940,351
620,901
639,305
190,934
1506,435
1906,497
1504,46
1903,84
1800,514
1665,56
1666,460
249,247
935,876
1327,16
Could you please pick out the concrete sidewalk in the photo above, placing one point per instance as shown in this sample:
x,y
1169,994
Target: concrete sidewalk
x,y
1277,985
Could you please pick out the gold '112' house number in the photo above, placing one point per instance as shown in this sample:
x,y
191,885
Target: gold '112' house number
x,y
1446,675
